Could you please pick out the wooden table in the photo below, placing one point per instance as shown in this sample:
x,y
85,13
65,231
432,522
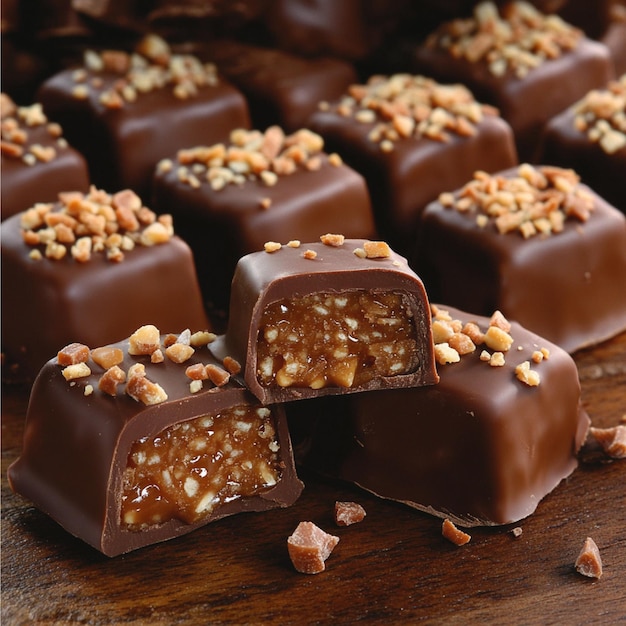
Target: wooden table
x,y
392,567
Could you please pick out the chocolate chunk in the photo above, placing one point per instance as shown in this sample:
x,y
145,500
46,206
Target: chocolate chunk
x,y
324,318
61,264
534,243
479,448
157,456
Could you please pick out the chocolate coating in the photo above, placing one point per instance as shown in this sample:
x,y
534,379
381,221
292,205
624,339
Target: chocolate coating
x,y
23,185
223,225
262,278
76,448
480,447
526,103
403,181
569,287
94,302
280,87
123,146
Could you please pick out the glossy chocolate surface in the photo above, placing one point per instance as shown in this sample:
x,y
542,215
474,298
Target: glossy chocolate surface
x,y
480,447
23,185
526,103
569,287
123,146
223,225
47,304
76,448
280,87
403,181
263,277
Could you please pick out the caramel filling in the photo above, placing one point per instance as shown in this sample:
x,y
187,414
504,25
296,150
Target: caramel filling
x,y
189,469
344,339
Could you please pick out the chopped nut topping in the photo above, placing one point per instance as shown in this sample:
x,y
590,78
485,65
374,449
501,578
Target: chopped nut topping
x,y
526,375
217,375
72,354
251,155
86,224
309,254
272,246
454,534
232,365
542,197
78,370
516,39
179,353
145,340
141,389
109,381
377,249
332,240
445,354
601,115
589,563
117,78
16,136
403,106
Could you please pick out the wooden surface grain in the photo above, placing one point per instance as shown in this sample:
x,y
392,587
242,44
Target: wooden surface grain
x,y
393,567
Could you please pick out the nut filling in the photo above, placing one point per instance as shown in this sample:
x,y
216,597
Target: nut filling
x,y
341,339
189,469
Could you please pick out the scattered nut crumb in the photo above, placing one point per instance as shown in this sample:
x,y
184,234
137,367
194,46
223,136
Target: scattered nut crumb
x,y
309,547
612,440
348,513
309,254
589,563
271,246
454,534
332,240
517,531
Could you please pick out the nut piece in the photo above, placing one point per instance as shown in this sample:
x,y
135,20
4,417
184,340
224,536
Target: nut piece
x,y
309,547
589,562
78,370
145,340
377,249
612,440
107,356
141,389
454,534
72,354
111,379
330,239
347,513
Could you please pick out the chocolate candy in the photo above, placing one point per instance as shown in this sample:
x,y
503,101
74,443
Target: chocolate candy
x,y
125,112
37,162
482,447
529,65
589,138
228,200
90,268
281,88
327,318
124,449
535,243
412,138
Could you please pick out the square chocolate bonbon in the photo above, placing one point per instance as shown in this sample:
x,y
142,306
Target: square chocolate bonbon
x,y
331,317
126,447
535,243
229,199
482,447
89,268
